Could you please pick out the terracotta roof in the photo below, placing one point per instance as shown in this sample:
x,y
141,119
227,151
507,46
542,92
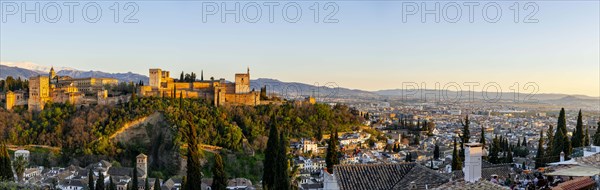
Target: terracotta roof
x,y
386,176
576,184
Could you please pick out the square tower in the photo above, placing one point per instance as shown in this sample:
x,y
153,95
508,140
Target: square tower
x,y
39,92
155,78
142,164
472,165
242,82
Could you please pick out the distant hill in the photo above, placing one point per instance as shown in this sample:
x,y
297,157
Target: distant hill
x,y
292,90
295,90
122,77
16,72
25,71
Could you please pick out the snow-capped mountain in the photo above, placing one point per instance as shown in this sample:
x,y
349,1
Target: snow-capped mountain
x,y
35,67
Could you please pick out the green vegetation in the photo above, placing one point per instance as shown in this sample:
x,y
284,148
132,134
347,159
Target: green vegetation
x,y
539,157
561,143
219,175
578,136
11,84
6,173
332,158
456,162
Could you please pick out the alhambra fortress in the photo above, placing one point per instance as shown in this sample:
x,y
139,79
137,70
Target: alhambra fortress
x,y
88,91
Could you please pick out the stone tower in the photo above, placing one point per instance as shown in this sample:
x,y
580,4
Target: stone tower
x,y
52,74
242,82
142,164
472,164
10,100
39,92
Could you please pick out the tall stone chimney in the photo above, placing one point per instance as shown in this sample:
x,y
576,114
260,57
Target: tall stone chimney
x,y
472,164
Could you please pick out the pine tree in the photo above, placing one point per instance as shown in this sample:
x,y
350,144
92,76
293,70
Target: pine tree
x,y
577,138
194,164
282,175
271,156
6,173
436,152
561,140
219,175
456,162
100,181
332,155
156,184
539,157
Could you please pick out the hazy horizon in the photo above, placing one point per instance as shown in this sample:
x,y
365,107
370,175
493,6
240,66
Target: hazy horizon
x,y
370,48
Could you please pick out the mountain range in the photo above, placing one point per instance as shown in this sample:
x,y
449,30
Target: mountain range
x,y
294,90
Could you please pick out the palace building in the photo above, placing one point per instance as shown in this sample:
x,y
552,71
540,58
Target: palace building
x,y
61,89
220,92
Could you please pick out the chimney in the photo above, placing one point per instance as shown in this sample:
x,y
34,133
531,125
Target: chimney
x,y
562,156
472,164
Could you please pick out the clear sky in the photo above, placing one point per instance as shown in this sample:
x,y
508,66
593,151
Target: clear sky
x,y
370,48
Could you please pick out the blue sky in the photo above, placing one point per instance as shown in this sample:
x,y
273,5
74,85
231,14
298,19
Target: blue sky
x,y
370,48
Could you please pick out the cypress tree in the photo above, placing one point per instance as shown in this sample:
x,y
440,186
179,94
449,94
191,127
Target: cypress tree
x,y
577,138
539,157
524,141
494,149
597,136
6,173
111,184
156,184
561,140
509,157
219,175
282,177
550,142
194,165
332,155
91,179
134,179
518,142
456,162
146,185
586,138
100,182
271,156
181,77
436,152
482,139
466,135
